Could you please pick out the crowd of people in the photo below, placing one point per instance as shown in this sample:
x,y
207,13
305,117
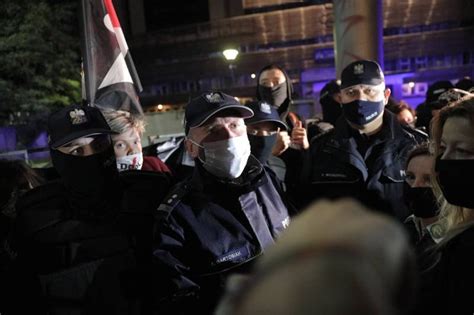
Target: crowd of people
x,y
365,210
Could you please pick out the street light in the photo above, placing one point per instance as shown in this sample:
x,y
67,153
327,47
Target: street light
x,y
230,55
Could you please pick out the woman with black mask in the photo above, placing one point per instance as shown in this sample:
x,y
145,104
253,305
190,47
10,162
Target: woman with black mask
x,y
419,196
451,269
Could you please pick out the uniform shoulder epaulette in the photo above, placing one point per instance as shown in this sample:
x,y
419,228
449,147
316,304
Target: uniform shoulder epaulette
x,y
323,135
170,202
416,134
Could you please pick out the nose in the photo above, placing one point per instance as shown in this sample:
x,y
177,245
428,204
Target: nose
x,y
359,94
88,150
131,150
417,183
228,132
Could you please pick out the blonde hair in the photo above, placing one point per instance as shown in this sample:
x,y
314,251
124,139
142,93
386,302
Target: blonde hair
x,y
456,218
121,121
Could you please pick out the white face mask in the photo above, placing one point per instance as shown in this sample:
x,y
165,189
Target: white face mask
x,y
130,162
226,158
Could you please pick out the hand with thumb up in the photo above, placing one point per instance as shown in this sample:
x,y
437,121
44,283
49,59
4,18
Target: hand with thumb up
x,y
299,138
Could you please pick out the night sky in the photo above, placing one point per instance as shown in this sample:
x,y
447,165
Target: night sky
x,y
164,14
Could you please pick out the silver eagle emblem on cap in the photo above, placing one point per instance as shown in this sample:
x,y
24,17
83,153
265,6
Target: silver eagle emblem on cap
x,y
358,68
213,97
78,116
265,108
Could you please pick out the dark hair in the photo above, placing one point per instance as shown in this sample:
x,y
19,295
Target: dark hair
x,y
16,176
420,149
397,107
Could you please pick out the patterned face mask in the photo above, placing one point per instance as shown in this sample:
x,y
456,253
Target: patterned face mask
x,y
130,162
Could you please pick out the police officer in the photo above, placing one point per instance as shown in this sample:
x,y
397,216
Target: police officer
x,y
262,129
365,154
222,218
83,242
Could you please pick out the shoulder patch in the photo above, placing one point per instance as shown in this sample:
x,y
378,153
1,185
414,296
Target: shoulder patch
x,y
415,134
323,136
170,202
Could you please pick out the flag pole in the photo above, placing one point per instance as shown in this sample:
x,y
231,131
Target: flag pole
x,y
87,67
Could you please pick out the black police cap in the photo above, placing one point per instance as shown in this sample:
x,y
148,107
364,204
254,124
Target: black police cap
x,y
362,72
203,107
264,112
75,121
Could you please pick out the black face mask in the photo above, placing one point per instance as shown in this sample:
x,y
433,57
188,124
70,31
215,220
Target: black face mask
x,y
90,180
331,110
275,96
261,146
421,201
451,175
362,112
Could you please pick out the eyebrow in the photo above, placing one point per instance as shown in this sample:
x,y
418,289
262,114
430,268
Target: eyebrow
x,y
76,143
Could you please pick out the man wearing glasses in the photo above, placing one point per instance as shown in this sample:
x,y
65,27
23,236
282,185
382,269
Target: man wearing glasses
x,y
364,155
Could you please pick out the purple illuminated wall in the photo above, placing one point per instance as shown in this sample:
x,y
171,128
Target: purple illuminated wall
x,y
7,139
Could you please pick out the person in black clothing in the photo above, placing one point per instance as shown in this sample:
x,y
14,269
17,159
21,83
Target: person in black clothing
x,y
329,98
221,219
364,155
17,178
465,84
83,243
274,87
423,111
447,284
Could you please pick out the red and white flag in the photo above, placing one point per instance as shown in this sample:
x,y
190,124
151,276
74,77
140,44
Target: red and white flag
x,y
110,77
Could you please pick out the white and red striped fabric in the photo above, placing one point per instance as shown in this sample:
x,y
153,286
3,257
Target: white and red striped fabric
x,y
110,78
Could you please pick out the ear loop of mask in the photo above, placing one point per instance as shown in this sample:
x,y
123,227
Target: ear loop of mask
x,y
199,145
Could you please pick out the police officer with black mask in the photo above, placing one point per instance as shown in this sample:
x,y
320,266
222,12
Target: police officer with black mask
x,y
364,156
262,130
219,220
83,243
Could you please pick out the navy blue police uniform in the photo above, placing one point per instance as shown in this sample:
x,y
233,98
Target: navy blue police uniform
x,y
209,228
345,163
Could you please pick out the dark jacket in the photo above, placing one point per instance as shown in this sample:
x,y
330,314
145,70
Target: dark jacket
x,y
208,229
334,166
446,287
70,262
